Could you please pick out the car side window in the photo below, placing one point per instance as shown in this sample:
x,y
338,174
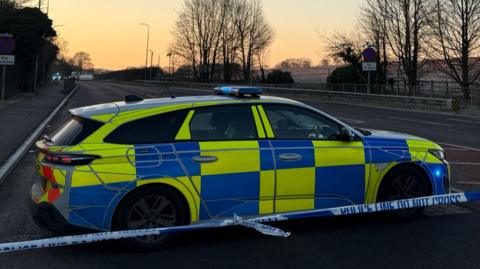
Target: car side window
x,y
151,130
296,123
223,123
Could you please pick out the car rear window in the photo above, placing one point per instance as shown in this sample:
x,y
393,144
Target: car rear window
x,y
156,129
75,131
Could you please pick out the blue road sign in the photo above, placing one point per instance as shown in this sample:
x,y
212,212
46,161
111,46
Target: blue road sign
x,y
369,55
7,45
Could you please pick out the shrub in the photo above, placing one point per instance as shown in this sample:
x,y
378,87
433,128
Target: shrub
x,y
346,75
279,77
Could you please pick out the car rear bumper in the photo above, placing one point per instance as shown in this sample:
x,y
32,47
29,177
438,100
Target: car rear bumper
x,y
48,217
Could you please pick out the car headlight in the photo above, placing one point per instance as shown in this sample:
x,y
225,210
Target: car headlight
x,y
440,154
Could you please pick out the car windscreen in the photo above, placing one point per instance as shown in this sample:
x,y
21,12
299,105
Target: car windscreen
x,y
74,131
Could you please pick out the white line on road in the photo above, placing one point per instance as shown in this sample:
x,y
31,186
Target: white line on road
x,y
456,190
469,121
191,90
422,121
458,146
353,121
454,149
468,182
464,163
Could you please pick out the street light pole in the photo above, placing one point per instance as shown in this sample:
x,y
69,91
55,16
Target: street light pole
x,y
4,77
35,76
169,55
146,51
151,63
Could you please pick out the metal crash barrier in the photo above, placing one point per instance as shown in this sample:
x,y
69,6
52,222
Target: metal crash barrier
x,y
252,223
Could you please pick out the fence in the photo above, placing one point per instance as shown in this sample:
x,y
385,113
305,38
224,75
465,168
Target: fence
x,y
428,89
408,97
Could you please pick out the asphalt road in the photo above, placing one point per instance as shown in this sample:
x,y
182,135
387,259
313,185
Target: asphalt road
x,y
446,237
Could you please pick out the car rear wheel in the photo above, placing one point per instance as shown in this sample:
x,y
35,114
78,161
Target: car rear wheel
x,y
403,183
150,207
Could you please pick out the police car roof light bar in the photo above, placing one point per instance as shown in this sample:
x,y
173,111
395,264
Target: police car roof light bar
x,y
239,91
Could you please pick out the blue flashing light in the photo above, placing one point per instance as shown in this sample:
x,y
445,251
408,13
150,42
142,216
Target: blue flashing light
x,y
438,172
238,90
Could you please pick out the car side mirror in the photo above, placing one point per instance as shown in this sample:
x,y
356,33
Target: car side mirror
x,y
346,135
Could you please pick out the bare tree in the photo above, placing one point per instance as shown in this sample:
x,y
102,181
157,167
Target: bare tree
x,y
62,45
455,38
263,56
197,35
207,30
325,62
229,41
262,41
373,21
345,47
406,25
295,63
254,33
14,3
82,61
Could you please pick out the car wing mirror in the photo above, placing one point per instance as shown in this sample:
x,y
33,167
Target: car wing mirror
x,y
346,135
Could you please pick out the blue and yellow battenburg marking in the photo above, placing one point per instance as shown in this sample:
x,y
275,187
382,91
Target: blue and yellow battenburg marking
x,y
248,178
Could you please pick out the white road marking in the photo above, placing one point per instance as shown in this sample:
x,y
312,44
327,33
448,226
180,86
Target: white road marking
x,y
465,163
456,190
458,146
353,121
469,121
422,121
454,149
190,89
468,182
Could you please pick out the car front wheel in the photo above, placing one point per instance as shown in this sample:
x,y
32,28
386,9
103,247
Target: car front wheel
x,y
403,183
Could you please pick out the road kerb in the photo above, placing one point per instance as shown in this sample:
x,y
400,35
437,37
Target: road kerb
x,y
15,158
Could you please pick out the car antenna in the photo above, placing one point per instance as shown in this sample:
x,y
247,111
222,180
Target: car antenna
x,y
170,93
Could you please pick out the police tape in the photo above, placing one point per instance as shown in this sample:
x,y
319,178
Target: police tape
x,y
252,223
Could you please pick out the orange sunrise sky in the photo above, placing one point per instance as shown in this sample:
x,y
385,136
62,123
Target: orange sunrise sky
x,y
109,29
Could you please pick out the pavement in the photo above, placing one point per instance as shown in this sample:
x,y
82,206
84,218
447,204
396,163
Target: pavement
x,y
446,237
20,117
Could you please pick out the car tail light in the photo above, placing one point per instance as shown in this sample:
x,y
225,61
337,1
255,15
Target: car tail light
x,y
70,159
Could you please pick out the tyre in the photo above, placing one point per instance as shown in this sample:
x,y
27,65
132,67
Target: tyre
x,y
150,207
403,183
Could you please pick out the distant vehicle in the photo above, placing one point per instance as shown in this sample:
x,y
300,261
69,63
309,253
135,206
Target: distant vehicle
x,y
75,75
86,77
174,161
56,76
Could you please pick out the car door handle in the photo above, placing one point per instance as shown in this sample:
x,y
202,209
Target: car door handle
x,y
205,159
290,157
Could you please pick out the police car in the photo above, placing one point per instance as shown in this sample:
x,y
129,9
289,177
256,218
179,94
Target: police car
x,y
176,161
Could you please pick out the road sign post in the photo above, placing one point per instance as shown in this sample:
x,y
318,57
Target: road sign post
x,y
7,48
4,78
369,64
